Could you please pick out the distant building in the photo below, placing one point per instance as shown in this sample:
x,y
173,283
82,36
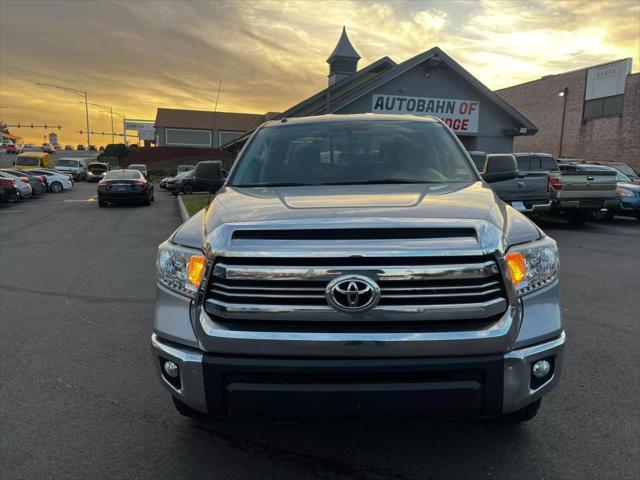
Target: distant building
x,y
197,128
601,113
431,83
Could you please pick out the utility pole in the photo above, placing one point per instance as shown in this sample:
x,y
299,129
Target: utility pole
x,y
79,93
108,109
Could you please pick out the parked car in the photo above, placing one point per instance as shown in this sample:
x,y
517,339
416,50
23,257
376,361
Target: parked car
x,y
125,185
184,168
207,176
6,142
68,147
29,160
38,184
170,182
56,181
9,193
80,147
48,148
96,171
15,149
75,166
57,146
22,184
324,281
92,148
31,147
529,191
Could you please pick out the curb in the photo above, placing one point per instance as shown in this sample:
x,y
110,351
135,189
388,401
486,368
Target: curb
x,y
183,210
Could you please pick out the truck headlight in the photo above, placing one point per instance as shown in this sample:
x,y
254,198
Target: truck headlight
x,y
533,265
180,269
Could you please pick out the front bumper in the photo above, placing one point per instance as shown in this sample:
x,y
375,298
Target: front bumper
x,y
291,388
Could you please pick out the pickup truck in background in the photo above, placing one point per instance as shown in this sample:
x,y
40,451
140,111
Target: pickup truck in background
x,y
207,176
77,167
358,266
577,191
544,184
529,191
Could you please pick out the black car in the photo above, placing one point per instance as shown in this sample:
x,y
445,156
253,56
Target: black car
x,y
124,186
169,183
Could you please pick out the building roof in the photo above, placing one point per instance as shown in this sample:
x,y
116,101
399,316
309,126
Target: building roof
x,y
348,90
200,119
344,48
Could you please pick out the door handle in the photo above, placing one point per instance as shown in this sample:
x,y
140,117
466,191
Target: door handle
x,y
589,178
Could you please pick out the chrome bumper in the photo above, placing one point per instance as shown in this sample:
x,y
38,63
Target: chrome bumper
x,y
516,373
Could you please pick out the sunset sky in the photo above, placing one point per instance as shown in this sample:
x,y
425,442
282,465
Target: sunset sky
x,y
137,55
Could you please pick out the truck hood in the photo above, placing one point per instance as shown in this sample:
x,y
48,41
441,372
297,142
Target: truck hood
x,y
349,205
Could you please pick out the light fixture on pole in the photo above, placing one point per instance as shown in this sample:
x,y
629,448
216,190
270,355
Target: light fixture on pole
x,y
79,93
108,109
562,93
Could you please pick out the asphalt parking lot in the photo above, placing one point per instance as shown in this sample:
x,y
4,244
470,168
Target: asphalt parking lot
x,y
80,398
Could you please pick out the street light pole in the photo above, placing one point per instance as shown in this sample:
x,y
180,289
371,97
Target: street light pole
x,y
108,109
79,93
562,93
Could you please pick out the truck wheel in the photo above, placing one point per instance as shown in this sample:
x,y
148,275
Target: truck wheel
x,y
575,217
56,187
601,216
187,189
184,409
524,414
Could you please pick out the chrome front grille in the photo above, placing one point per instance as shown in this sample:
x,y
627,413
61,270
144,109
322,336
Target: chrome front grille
x,y
412,289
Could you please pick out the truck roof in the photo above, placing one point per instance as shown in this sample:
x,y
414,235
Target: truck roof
x,y
360,117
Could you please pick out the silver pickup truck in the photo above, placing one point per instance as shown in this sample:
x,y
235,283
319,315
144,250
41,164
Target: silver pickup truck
x,y
357,266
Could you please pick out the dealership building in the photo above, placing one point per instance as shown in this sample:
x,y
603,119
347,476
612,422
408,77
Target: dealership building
x,y
592,113
197,128
431,83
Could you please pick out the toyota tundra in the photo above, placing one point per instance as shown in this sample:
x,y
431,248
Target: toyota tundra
x,y
358,266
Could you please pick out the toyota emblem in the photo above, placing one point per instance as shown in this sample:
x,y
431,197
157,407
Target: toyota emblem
x,y
352,293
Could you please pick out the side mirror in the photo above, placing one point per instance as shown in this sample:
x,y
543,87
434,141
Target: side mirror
x,y
499,168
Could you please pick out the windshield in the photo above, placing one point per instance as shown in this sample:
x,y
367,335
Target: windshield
x,y
123,175
352,152
28,161
626,169
67,163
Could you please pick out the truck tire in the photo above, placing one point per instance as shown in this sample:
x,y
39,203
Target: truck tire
x,y
56,187
524,414
601,216
184,409
575,217
187,189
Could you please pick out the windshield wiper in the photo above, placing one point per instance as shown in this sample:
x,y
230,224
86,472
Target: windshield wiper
x,y
385,181
281,184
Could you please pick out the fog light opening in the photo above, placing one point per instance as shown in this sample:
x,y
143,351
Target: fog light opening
x,y
541,372
170,372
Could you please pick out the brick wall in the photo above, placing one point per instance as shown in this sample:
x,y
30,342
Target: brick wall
x,y
613,138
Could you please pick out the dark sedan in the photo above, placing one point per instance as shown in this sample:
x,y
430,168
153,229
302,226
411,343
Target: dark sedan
x,y
124,186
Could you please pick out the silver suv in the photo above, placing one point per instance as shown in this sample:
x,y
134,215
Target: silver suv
x,y
358,266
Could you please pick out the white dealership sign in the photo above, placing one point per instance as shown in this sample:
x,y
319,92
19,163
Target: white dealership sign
x,y
607,80
145,128
460,115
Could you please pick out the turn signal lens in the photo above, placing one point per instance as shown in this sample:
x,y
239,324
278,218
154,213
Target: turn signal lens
x,y
195,270
517,267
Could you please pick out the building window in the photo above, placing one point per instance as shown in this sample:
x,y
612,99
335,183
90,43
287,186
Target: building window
x,y
604,107
226,137
185,137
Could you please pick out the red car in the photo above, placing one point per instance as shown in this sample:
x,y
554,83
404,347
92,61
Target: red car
x,y
12,149
8,190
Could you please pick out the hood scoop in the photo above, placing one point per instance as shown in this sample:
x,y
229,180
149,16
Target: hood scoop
x,y
330,200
